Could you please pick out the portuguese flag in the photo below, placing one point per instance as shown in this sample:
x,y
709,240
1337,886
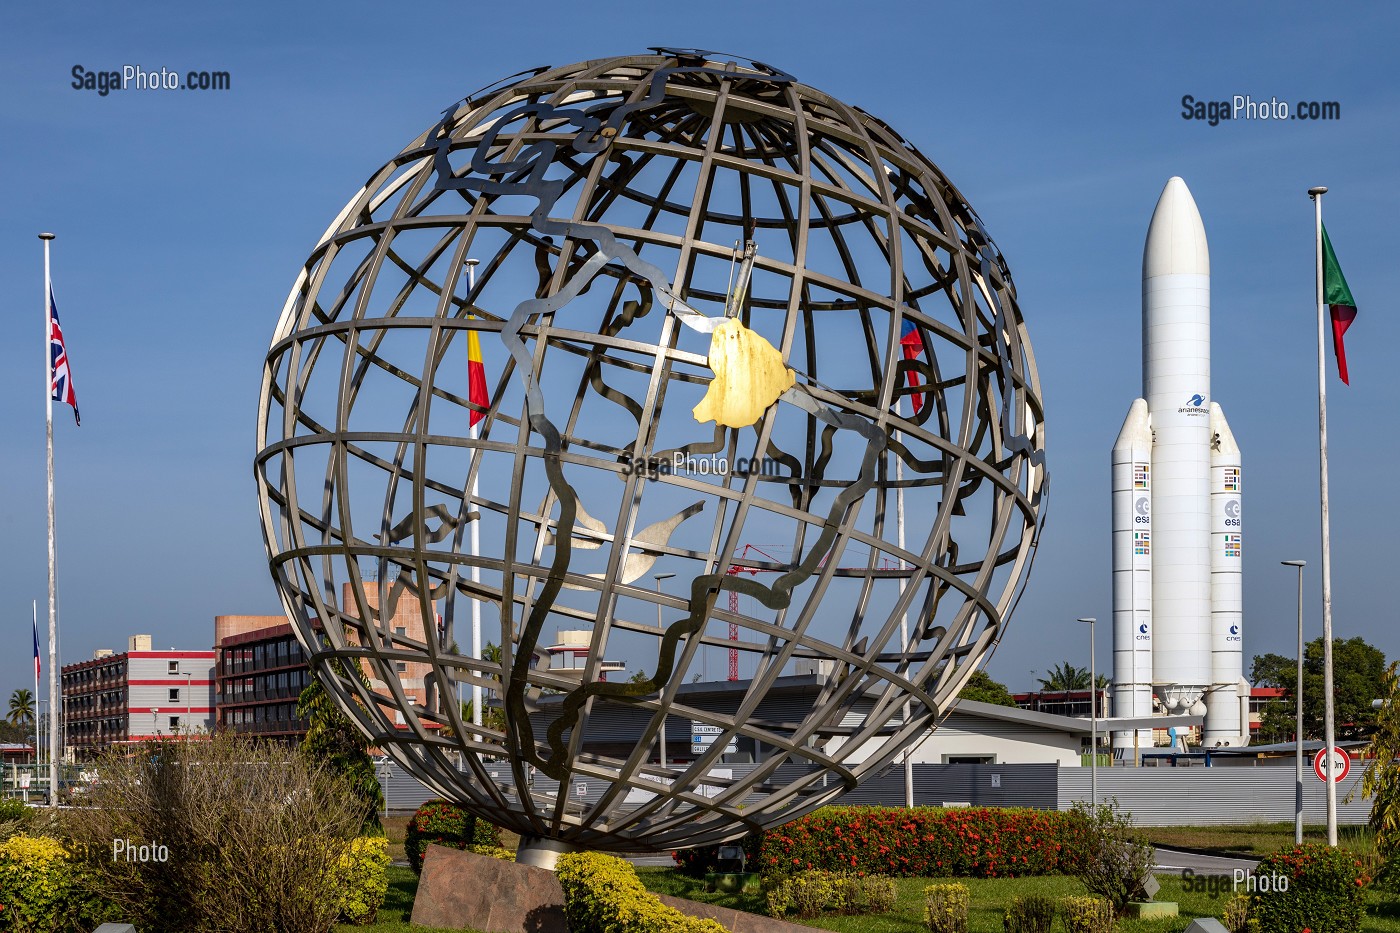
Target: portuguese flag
x,y
1338,297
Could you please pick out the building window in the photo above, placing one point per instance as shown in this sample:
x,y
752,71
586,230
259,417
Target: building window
x,y
400,631
174,695
401,667
172,667
174,722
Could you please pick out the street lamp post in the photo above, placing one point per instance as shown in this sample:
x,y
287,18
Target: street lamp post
x,y
661,744
1298,703
1093,718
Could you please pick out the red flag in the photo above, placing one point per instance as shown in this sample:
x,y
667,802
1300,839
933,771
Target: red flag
x,y
913,344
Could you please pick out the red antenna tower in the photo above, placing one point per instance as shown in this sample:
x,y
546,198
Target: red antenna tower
x,y
774,565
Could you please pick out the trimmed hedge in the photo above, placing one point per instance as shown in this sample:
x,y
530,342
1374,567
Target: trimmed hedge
x,y
1086,914
602,894
443,823
43,890
1326,890
975,842
363,879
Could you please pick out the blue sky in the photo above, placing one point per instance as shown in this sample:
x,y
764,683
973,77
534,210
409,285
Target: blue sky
x,y
183,218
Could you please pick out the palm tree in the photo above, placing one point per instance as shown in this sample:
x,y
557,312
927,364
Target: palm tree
x,y
21,708
1064,677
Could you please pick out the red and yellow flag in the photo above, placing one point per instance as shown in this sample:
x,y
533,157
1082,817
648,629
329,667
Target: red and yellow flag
x,y
476,377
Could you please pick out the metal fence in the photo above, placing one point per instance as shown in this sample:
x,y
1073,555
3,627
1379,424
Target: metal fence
x,y
1213,796
1155,796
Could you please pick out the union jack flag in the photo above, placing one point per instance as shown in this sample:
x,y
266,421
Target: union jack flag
x,y
61,380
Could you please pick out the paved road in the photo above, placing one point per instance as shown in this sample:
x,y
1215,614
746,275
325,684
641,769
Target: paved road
x,y
1168,860
1173,860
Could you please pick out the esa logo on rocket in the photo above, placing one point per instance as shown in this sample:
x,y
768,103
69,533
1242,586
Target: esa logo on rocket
x,y
1176,484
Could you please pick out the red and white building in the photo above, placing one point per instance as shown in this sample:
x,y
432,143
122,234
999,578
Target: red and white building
x,y
139,694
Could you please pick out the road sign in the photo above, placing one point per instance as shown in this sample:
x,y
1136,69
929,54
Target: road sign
x,y
1340,765
24,782
703,735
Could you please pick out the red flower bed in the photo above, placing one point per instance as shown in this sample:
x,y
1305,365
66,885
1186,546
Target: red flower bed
x,y
982,842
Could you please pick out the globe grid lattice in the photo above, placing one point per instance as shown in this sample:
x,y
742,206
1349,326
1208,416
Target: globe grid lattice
x,y
592,229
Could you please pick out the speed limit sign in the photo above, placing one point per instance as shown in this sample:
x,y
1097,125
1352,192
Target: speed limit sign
x,y
1336,768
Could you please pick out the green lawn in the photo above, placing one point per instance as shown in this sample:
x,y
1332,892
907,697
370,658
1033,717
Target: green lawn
x,y
1253,839
989,900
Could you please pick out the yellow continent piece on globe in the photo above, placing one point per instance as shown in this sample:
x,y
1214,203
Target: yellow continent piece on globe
x,y
749,376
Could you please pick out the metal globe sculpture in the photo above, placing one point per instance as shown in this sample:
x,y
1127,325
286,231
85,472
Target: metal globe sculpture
x,y
661,357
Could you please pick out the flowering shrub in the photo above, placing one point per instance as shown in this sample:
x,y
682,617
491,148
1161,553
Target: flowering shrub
x,y
602,894
1114,861
817,892
980,842
1325,892
947,908
441,823
1236,918
1086,914
362,879
42,888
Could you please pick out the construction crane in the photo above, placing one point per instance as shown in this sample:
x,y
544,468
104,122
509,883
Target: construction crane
x,y
770,564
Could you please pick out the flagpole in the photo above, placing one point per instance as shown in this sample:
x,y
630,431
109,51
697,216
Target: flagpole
x,y
53,582
474,432
904,617
35,717
1329,714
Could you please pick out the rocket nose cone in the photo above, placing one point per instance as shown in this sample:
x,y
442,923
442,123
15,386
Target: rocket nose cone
x,y
1176,238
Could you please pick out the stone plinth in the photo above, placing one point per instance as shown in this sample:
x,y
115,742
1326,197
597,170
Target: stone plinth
x,y
463,890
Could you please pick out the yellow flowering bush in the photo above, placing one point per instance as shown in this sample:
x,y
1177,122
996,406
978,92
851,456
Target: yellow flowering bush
x,y
602,894
946,911
363,879
42,888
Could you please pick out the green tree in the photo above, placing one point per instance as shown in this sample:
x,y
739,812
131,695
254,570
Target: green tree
x,y
21,708
640,677
1380,782
1065,676
333,739
1358,677
983,689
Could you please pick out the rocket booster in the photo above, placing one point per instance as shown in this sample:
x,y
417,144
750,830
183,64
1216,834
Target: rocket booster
x,y
1175,465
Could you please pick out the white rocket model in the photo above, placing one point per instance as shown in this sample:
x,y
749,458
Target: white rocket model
x,y
1176,503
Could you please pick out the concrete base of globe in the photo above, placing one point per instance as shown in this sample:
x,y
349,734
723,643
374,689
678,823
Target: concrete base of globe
x,y
542,853
1151,910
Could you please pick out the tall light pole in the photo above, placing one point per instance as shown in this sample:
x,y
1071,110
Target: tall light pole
x,y
1298,702
661,736
1093,718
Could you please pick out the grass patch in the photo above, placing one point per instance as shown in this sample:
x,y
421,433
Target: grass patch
x,y
1253,840
990,898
